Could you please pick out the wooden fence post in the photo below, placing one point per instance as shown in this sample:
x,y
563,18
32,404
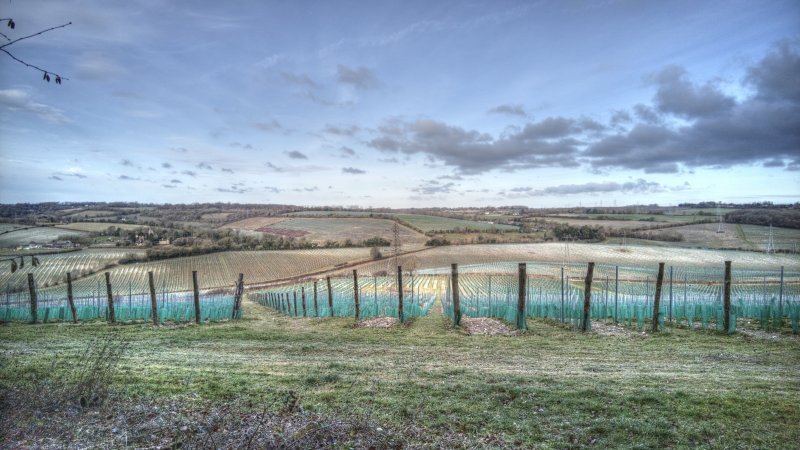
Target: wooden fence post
x,y
616,292
153,301
657,297
303,298
237,297
294,295
196,290
780,297
456,298
522,322
110,295
727,299
330,296
355,292
34,301
71,299
316,308
400,293
587,297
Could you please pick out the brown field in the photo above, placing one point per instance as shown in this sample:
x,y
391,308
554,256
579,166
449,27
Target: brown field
x,y
254,223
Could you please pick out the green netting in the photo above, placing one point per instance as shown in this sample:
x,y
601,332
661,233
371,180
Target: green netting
x,y
378,297
172,307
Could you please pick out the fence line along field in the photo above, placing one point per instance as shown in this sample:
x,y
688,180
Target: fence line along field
x,y
322,230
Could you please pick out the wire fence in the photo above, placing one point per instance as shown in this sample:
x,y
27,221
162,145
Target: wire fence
x,y
110,303
689,297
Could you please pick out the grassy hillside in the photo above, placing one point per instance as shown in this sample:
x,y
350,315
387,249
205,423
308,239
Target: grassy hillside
x,y
418,386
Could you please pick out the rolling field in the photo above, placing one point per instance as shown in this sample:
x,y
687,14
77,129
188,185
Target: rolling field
x,y
39,234
321,230
638,256
662,218
422,222
53,269
751,237
216,270
98,227
436,223
426,385
609,224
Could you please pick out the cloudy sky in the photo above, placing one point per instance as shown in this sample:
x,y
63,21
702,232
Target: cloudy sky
x,y
428,103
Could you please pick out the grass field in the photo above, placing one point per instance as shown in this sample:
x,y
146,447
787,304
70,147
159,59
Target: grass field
x,y
98,227
425,385
640,218
419,221
321,230
749,237
437,223
40,235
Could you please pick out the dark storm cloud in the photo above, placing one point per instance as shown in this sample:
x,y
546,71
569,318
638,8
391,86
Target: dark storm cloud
x,y
294,154
268,126
175,181
433,187
55,177
274,167
358,77
299,79
723,133
639,186
127,178
353,171
204,165
68,174
166,165
127,163
714,130
347,152
679,96
342,130
513,110
540,144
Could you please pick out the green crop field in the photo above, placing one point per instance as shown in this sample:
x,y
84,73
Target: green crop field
x,y
634,218
40,235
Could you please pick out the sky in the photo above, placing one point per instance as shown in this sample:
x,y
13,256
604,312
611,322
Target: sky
x,y
402,104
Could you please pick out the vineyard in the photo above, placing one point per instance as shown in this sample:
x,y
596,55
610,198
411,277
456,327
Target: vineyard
x,y
216,270
692,297
52,269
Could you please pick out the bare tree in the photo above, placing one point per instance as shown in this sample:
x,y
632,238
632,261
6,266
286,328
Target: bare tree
x,y
4,48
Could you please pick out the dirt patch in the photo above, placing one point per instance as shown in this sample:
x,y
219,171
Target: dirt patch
x,y
761,334
379,322
486,326
610,329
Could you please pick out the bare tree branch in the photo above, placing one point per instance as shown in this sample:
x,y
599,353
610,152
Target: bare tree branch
x,y
47,73
35,34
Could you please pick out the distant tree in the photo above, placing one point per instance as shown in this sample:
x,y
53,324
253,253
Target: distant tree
x,y
375,253
4,48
